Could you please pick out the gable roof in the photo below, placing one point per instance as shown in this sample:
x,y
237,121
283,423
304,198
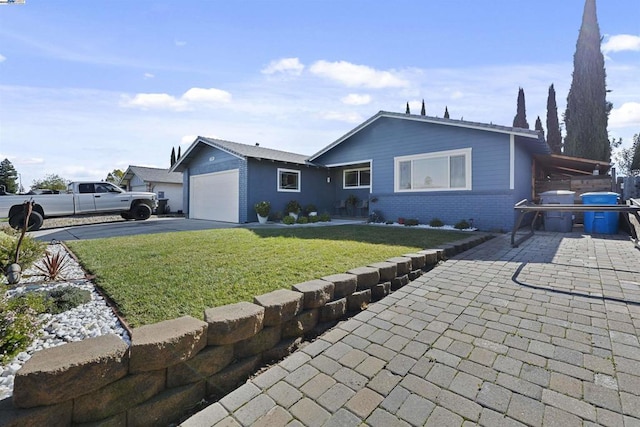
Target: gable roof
x,y
242,151
152,175
540,145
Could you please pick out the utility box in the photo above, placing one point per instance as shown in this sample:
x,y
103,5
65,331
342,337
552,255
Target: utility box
x,y
601,222
556,220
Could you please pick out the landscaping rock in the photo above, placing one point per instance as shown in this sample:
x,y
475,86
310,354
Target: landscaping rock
x,y
262,341
380,291
166,343
226,380
399,282
367,277
403,264
62,373
118,397
209,361
418,260
234,322
344,284
388,270
59,414
359,300
280,305
333,310
316,292
166,407
431,256
282,350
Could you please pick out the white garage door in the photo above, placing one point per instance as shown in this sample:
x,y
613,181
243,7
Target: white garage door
x,y
215,196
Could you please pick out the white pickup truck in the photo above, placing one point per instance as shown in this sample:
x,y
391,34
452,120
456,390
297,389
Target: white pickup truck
x,y
80,198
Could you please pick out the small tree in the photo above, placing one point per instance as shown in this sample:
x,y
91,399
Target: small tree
x,y
539,127
629,158
51,182
423,112
115,176
520,120
408,111
8,176
173,156
554,137
446,112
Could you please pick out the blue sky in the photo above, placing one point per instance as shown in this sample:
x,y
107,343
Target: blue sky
x,y
88,87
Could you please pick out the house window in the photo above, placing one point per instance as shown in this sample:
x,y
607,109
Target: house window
x,y
444,170
160,194
357,178
288,180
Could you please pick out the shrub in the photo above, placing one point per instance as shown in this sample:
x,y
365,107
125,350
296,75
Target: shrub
x,y
314,218
310,208
19,326
30,250
462,225
292,206
435,222
411,222
288,220
263,208
325,217
67,298
302,220
53,265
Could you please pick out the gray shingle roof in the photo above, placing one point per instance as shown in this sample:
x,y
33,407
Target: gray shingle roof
x,y
257,152
153,175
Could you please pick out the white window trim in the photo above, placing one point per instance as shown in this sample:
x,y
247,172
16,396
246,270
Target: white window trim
x,y
355,187
284,190
449,153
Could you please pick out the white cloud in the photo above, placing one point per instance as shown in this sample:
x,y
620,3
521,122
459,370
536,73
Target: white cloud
x,y
148,76
163,101
284,65
348,116
356,99
627,115
180,43
621,42
2,58
187,140
353,75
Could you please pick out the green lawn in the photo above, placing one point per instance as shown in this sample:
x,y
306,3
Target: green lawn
x,y
163,276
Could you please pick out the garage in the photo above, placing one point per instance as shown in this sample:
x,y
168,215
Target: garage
x,y
215,196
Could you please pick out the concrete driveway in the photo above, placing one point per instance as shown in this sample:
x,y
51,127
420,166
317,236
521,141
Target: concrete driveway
x,y
127,228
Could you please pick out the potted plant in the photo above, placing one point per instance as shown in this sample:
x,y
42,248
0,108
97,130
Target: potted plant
x,y
262,209
293,208
311,210
352,201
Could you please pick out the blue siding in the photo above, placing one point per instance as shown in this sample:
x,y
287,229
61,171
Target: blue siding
x,y
489,202
263,180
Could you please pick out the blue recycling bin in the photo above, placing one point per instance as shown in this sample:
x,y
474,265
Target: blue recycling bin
x,y
601,222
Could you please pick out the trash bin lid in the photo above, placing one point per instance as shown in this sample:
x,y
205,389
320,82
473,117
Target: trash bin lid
x,y
600,193
558,193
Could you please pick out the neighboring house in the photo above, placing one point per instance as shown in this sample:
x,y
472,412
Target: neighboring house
x,y
403,165
167,185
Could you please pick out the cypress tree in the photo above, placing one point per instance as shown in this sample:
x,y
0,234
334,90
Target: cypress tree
x,y
635,162
446,112
423,112
173,156
520,120
587,110
538,126
179,155
408,111
554,137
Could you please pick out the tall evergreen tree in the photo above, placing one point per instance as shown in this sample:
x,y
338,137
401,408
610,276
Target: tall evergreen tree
x,y
587,110
173,156
179,155
520,120
408,110
538,126
635,162
423,112
446,112
8,176
554,137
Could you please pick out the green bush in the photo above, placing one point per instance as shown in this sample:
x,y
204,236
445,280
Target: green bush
x,y
411,222
19,325
310,208
288,220
436,222
30,250
462,225
314,218
325,217
302,220
64,299
262,208
293,206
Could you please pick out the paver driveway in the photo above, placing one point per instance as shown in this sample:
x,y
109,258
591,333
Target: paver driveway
x,y
544,334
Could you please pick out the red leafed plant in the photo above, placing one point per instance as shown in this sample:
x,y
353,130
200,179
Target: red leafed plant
x,y
53,266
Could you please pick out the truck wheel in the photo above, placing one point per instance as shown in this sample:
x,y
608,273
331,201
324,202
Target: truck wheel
x,y
35,221
126,215
141,212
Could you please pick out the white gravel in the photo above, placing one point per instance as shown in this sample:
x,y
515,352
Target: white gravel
x,y
92,319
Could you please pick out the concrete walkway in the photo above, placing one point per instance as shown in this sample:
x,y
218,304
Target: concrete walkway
x,y
544,334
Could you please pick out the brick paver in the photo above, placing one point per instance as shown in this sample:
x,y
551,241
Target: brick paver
x,y
544,334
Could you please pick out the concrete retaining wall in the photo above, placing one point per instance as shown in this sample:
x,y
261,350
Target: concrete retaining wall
x,y
172,366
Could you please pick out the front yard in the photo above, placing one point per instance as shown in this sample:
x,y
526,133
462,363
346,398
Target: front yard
x,y
157,277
